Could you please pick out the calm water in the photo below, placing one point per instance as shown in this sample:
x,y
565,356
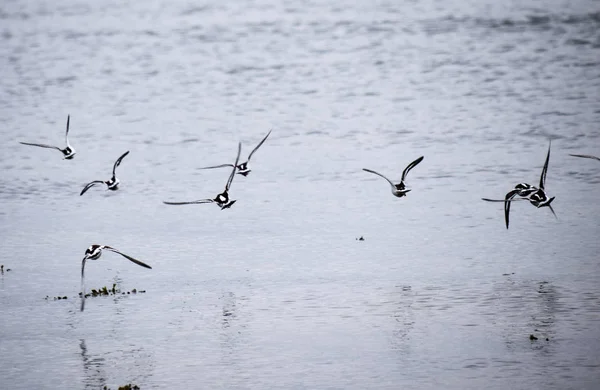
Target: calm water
x,y
276,292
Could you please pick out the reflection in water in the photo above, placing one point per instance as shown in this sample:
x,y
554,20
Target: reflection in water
x,y
93,369
138,364
229,334
134,365
229,310
404,318
528,308
544,314
233,325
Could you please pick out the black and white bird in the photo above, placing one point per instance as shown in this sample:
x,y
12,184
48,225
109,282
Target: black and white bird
x,y
111,184
535,195
222,200
399,189
243,168
93,253
585,156
68,152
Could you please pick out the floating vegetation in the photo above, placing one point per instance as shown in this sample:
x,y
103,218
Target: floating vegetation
x,y
124,387
105,291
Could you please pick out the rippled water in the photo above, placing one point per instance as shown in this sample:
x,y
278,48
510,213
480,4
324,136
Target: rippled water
x,y
276,292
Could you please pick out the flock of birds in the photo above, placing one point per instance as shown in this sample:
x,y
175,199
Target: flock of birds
x,y
537,196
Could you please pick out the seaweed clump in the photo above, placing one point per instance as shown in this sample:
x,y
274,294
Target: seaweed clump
x,y
124,387
102,291
105,291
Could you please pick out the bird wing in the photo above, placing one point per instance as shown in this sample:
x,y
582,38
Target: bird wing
x,y
67,132
118,162
192,202
217,166
83,284
126,256
579,155
507,201
259,145
502,200
90,185
237,159
42,145
551,209
379,174
545,169
411,166
228,205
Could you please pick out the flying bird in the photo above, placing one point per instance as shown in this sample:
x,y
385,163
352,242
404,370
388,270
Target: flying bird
x,y
93,253
68,151
222,200
113,183
399,189
535,195
585,156
243,168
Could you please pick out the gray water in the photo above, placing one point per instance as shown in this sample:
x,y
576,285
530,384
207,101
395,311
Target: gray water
x,y
276,292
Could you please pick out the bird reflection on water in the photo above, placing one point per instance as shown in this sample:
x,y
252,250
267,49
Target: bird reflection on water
x,y
93,368
232,330
533,306
404,318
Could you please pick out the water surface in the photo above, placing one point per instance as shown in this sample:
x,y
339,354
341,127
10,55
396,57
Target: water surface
x,y
276,292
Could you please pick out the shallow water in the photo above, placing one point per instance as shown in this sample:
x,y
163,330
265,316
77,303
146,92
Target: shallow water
x,y
276,292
